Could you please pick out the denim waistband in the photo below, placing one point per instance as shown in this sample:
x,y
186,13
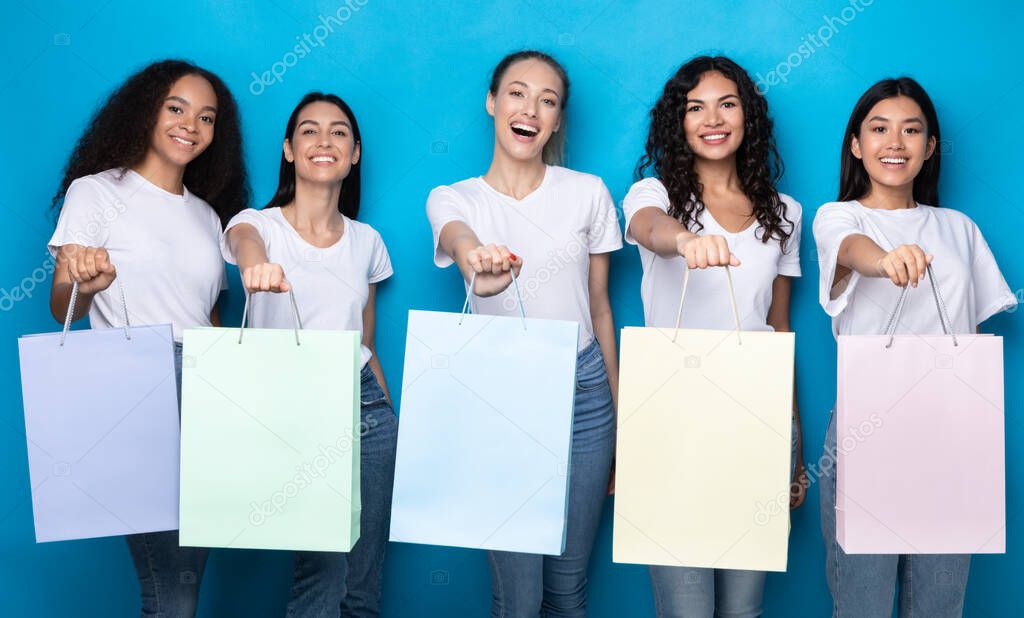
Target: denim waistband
x,y
588,354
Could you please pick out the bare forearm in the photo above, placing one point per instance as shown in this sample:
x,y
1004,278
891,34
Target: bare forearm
x,y
861,254
604,332
658,232
249,250
60,296
457,243
378,372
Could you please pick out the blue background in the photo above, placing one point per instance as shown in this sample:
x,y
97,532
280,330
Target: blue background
x,y
416,77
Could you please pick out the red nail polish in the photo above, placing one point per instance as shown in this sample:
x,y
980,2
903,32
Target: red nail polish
x,y
513,257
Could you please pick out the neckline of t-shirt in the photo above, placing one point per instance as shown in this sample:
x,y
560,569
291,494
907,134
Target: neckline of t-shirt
x,y
895,212
526,198
726,232
288,224
185,194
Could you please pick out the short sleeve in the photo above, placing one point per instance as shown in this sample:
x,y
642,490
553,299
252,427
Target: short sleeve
x,y
380,261
645,193
604,235
443,207
833,223
789,262
86,206
991,292
254,218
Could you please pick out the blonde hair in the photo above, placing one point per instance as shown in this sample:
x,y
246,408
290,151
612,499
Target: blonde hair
x,y
554,149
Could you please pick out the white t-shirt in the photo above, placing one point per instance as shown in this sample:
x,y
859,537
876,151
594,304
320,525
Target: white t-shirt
x,y
966,272
554,230
164,247
331,285
707,295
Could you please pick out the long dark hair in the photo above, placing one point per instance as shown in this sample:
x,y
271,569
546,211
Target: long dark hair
x,y
758,164
120,133
348,199
554,151
854,182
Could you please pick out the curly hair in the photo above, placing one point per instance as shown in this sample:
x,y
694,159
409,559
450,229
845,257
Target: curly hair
x,y
758,164
119,135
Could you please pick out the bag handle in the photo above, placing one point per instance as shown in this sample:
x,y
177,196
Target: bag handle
x,y
71,312
468,305
732,300
295,314
897,312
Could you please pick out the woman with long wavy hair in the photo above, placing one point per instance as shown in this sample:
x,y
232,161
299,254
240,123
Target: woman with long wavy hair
x,y
712,202
145,192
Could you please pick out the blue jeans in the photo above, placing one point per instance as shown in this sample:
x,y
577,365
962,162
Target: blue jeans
x,y
864,585
348,584
531,584
691,592
169,575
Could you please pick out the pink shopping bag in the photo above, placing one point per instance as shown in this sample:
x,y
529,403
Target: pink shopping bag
x,y
919,435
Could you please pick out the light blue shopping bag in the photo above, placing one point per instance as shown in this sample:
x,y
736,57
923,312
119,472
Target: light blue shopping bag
x,y
485,432
101,421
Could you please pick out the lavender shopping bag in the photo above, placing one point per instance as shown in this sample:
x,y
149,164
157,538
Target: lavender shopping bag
x,y
101,421
920,437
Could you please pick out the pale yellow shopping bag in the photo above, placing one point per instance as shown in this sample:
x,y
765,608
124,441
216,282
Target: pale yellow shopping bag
x,y
703,449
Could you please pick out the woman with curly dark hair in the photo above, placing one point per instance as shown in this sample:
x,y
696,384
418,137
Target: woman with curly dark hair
x,y
711,202
144,195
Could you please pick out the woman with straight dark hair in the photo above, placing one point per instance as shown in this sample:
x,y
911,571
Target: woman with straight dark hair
x,y
306,241
882,235
528,203
158,169
713,203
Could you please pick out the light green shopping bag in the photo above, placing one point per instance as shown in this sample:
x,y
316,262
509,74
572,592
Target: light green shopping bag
x,y
270,438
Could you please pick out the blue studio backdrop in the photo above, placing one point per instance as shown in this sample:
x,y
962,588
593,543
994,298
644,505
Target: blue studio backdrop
x,y
416,75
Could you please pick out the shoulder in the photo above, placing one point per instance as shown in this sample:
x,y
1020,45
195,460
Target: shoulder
x,y
362,231
461,189
260,219
648,188
848,210
563,177
102,182
791,208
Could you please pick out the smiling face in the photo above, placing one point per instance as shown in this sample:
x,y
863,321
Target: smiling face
x,y
184,124
893,142
527,109
322,146
713,120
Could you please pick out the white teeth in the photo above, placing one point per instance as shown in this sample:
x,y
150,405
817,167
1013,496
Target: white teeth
x,y
323,159
525,127
182,141
893,160
715,136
